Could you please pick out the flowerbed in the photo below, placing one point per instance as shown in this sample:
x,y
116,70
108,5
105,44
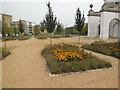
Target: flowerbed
x,y
23,38
3,53
111,49
64,58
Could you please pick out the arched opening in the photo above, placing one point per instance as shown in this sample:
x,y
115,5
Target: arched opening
x,y
114,30
98,29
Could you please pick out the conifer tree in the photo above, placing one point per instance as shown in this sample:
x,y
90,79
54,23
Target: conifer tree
x,y
79,21
50,21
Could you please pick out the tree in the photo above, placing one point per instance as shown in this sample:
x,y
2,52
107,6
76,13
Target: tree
x,y
50,21
85,29
16,31
5,28
42,26
11,30
79,21
21,27
59,28
36,30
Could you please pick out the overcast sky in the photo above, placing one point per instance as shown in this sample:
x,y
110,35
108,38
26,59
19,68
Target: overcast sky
x,y
34,10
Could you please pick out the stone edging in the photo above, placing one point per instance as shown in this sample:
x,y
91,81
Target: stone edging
x,y
50,74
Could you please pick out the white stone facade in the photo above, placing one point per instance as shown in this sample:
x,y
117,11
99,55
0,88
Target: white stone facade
x,y
106,18
93,26
109,22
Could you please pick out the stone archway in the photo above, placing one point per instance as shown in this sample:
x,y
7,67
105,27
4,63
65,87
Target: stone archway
x,y
114,28
99,28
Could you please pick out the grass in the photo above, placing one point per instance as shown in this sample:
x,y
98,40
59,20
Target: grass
x,y
3,53
59,66
110,49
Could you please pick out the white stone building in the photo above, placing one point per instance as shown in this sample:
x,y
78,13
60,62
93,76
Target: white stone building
x,y
106,22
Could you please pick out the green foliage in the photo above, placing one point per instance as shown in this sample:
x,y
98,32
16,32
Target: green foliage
x,y
5,28
16,31
50,20
41,37
42,26
69,30
79,20
104,48
3,53
57,67
59,28
85,29
36,30
8,38
21,29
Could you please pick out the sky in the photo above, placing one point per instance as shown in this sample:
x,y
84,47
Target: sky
x,y
35,10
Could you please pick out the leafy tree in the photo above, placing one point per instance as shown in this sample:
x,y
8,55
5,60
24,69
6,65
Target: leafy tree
x,y
21,29
59,28
36,30
79,21
85,29
42,26
50,21
5,28
16,31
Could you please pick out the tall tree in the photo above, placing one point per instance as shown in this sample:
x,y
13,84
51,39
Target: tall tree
x,y
21,29
50,21
36,30
59,28
42,26
79,21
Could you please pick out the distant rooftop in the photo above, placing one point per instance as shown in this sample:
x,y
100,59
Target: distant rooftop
x,y
7,15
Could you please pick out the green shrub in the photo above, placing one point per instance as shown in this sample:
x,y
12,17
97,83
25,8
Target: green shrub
x,y
8,38
41,36
3,53
55,37
58,66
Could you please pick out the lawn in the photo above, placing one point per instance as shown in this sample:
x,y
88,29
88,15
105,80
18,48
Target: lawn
x,y
64,58
107,48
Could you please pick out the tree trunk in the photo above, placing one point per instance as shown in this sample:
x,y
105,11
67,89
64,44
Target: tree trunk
x,y
5,43
79,37
50,39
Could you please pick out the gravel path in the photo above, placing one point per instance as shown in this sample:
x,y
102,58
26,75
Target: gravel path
x,y
26,68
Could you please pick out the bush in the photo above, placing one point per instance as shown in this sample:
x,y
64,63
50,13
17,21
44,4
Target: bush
x,y
55,37
66,35
41,37
111,49
8,38
3,53
79,61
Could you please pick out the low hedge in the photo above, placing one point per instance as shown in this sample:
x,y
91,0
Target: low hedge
x,y
41,37
8,39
